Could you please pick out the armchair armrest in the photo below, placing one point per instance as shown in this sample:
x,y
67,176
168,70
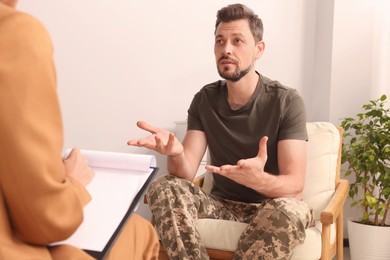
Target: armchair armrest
x,y
198,181
333,213
336,204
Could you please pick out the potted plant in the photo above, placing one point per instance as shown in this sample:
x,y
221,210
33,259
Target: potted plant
x,y
366,155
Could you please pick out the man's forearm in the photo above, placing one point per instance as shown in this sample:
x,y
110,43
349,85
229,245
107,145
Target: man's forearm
x,y
275,186
178,166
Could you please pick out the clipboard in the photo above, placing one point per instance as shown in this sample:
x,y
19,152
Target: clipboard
x,y
120,182
102,254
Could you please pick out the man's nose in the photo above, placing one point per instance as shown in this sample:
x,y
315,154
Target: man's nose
x,y
228,48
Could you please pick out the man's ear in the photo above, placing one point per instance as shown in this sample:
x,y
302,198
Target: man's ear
x,y
260,46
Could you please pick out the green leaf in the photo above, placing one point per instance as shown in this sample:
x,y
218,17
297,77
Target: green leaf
x,y
353,204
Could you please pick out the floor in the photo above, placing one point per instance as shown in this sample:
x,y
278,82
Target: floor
x,y
347,255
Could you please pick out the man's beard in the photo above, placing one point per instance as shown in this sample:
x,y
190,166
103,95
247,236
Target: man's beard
x,y
236,76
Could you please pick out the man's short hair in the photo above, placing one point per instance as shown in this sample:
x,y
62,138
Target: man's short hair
x,y
236,12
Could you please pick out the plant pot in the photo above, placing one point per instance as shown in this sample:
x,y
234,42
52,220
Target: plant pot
x,y
368,242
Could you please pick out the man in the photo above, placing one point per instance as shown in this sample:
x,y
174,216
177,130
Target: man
x,y
41,196
255,130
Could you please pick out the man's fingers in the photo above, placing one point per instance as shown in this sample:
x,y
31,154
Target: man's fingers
x,y
147,127
212,168
133,142
263,147
159,147
224,169
171,142
137,142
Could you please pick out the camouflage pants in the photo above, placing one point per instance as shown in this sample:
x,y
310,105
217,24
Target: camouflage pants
x,y
276,226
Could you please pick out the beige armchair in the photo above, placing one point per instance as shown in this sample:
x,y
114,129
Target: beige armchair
x,y
324,191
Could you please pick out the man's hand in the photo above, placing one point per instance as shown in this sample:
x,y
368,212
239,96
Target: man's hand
x,y
247,172
160,140
76,166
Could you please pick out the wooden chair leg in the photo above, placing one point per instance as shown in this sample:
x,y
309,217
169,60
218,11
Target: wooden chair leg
x,y
216,254
340,236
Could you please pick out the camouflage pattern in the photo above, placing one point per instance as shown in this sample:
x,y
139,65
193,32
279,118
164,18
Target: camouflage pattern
x,y
276,226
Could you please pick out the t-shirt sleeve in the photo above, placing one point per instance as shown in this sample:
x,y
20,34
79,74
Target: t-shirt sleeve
x,y
293,125
193,120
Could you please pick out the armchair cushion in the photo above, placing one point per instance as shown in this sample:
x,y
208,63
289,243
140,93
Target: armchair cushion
x,y
224,235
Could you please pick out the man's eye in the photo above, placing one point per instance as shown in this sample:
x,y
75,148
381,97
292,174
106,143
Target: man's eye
x,y
218,42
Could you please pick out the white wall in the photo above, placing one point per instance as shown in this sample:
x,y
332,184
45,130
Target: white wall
x,y
122,61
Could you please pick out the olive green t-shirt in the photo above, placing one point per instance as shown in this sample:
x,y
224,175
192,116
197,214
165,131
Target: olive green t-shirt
x,y
274,110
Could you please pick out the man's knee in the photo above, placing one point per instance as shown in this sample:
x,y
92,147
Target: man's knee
x,y
165,189
161,183
291,217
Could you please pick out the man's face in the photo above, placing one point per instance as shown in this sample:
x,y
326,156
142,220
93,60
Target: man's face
x,y
235,49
